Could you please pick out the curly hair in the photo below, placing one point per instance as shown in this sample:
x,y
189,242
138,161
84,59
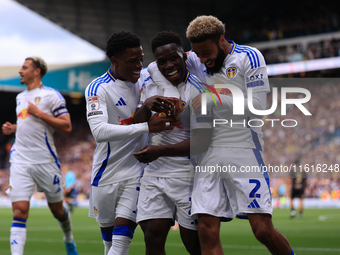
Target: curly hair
x,y
38,62
203,28
119,42
164,38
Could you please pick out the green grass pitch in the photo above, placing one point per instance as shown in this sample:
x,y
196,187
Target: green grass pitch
x,y
317,233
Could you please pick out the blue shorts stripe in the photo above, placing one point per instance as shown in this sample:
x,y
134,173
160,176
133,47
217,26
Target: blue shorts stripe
x,y
261,164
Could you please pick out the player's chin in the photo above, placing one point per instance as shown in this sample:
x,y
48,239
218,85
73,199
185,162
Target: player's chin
x,y
134,77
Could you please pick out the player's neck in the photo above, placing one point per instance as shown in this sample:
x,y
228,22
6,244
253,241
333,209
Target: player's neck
x,y
226,47
34,84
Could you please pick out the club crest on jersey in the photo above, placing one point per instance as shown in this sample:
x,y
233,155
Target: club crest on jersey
x,y
95,211
183,104
37,100
92,103
231,72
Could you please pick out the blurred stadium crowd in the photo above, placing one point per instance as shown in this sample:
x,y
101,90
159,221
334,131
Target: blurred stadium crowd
x,y
315,140
299,52
296,23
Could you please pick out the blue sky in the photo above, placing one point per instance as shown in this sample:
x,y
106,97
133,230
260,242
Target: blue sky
x,y
24,33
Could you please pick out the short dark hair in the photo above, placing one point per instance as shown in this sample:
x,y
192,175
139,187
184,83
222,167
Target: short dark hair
x,y
119,42
38,62
205,27
164,38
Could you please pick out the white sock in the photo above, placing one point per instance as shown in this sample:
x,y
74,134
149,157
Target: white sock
x,y
120,245
107,245
66,226
18,240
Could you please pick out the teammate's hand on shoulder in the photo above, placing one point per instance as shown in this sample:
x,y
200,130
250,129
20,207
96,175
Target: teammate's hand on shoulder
x,y
147,154
7,128
33,110
158,124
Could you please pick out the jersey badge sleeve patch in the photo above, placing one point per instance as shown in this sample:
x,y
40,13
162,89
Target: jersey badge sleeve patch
x,y
92,103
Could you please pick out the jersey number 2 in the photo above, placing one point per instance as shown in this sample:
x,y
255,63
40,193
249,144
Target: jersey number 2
x,y
256,188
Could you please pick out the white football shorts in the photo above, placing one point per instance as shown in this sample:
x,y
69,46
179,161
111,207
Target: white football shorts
x,y
24,177
166,198
230,182
115,200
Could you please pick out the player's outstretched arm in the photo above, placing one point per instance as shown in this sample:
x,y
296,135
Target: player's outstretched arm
x,y
9,128
61,123
106,132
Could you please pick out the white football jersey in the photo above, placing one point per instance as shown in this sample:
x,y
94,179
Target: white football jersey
x,y
172,166
114,101
243,67
34,143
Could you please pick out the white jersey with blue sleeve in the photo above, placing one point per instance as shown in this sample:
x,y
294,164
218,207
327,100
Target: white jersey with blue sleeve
x,y
111,104
34,142
176,167
244,67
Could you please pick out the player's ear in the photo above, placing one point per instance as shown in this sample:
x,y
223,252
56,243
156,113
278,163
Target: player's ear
x,y
37,71
114,60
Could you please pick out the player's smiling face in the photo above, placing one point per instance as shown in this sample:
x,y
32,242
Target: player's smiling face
x,y
27,72
129,64
210,54
171,62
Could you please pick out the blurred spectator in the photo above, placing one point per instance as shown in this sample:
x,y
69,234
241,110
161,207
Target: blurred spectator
x,y
292,53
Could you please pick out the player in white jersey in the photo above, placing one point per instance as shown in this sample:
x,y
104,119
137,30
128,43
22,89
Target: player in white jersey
x,y
216,196
166,186
40,110
111,103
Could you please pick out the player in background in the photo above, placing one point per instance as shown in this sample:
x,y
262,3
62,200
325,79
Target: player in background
x,y
111,103
298,185
166,186
70,192
214,60
40,110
